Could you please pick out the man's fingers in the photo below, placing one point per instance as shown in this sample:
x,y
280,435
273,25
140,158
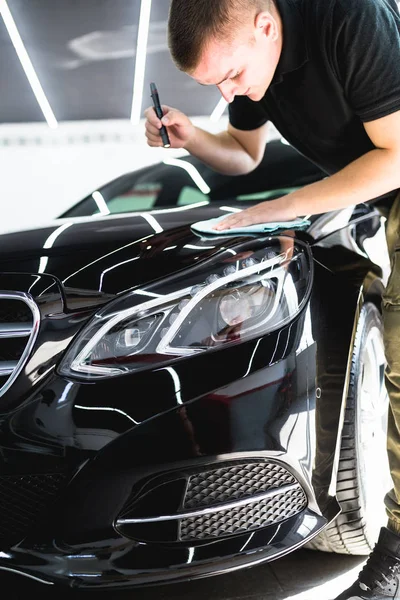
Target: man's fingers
x,y
169,118
166,109
151,129
155,142
152,117
228,223
173,117
153,135
224,224
243,219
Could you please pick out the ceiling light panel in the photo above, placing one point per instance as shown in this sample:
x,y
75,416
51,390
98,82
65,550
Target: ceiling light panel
x,y
84,53
27,65
140,65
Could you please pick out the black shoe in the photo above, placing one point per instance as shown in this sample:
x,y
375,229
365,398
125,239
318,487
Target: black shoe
x,y
380,576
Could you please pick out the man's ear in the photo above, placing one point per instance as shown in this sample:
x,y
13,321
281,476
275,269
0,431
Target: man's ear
x,y
266,24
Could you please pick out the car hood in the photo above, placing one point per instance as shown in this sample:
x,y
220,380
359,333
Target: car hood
x,y
94,259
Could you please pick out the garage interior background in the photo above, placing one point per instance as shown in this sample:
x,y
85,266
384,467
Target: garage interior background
x,y
76,78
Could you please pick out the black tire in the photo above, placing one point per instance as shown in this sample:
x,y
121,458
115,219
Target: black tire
x,y
356,529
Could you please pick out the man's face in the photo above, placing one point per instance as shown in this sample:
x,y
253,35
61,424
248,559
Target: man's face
x,y
245,68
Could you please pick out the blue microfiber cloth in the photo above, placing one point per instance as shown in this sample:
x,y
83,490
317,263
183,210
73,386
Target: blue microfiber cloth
x,y
207,226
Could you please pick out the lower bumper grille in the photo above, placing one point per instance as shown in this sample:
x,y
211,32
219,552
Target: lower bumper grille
x,y
209,503
23,499
261,513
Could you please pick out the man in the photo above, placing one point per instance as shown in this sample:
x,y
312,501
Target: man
x,y
327,74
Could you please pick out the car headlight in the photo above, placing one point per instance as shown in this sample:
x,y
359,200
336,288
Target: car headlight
x,y
240,294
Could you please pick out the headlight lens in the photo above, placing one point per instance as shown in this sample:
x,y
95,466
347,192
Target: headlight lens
x,y
241,294
239,305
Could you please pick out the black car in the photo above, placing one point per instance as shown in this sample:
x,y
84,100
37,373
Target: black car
x,y
176,405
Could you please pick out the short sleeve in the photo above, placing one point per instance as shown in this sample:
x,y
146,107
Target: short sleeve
x,y
246,114
368,58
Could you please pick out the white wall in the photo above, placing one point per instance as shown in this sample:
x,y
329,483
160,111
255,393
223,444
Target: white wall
x,y
44,171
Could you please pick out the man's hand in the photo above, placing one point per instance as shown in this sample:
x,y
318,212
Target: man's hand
x,y
179,126
266,212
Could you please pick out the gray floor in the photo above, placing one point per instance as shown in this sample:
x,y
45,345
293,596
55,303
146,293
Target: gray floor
x,y
303,575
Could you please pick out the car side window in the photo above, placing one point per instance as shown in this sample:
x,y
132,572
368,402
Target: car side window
x,y
178,182
191,195
267,194
142,196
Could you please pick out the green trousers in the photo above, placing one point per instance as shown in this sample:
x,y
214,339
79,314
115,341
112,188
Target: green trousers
x,y
391,321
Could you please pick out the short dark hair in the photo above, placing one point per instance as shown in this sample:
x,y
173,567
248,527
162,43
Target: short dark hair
x,y
192,23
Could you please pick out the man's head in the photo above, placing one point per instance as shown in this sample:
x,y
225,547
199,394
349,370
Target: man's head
x,y
234,44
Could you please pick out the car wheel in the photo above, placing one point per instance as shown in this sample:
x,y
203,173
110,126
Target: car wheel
x,y
363,471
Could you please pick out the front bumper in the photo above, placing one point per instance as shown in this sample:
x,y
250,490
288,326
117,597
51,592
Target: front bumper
x,y
112,462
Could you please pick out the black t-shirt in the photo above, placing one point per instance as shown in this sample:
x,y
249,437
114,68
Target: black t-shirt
x,y
339,68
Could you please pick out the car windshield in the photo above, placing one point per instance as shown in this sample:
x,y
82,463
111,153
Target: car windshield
x,y
183,181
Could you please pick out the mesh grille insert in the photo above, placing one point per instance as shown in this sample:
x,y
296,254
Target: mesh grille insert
x,y
245,518
234,482
23,498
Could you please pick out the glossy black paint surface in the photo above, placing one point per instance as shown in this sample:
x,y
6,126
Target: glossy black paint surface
x,y
89,446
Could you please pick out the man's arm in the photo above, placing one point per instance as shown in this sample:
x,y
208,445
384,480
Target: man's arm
x,y
232,152
366,178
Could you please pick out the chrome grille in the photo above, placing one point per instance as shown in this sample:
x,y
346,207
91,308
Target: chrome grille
x,y
231,483
246,518
19,324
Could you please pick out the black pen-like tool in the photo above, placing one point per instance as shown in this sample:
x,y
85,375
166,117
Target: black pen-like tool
x,y
159,113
